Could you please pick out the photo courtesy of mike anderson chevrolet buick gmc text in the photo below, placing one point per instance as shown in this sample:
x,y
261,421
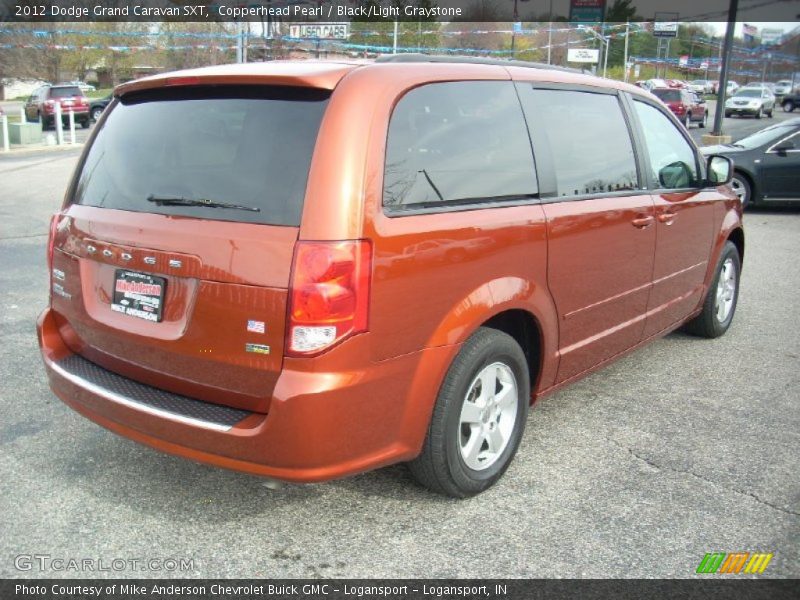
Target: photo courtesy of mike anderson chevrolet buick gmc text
x,y
305,270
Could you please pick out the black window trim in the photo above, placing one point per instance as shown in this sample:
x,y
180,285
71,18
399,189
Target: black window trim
x,y
550,195
467,204
654,184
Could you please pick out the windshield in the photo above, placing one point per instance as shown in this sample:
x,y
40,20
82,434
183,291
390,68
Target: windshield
x,y
668,95
65,92
207,147
765,136
749,93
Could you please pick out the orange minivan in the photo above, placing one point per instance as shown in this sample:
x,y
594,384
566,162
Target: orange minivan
x,y
305,270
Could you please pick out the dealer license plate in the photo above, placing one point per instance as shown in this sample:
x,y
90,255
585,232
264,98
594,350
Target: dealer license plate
x,y
139,294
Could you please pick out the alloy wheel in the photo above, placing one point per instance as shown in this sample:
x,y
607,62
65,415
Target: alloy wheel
x,y
726,290
488,416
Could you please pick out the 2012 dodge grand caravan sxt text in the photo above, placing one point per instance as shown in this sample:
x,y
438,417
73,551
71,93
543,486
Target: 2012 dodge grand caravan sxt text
x,y
305,270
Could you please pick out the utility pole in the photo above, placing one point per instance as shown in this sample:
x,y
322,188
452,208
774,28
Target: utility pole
x,y
625,59
239,42
394,42
549,31
514,29
723,76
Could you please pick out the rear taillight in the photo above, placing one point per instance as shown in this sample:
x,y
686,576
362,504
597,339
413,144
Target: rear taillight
x,y
51,242
328,294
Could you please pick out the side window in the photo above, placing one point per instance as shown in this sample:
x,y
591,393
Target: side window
x,y
587,137
672,160
456,143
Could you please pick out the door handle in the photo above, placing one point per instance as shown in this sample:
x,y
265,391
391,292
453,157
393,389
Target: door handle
x,y
642,222
667,217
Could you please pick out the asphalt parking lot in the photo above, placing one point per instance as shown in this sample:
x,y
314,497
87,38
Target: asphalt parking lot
x,y
686,447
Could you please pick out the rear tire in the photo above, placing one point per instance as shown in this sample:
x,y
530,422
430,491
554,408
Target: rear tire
x,y
719,305
727,114
478,418
702,124
788,106
687,120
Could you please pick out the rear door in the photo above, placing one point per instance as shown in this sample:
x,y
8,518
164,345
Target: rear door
x,y
600,223
173,259
684,217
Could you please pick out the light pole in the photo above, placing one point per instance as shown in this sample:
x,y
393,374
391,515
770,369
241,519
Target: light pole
x,y
603,40
723,76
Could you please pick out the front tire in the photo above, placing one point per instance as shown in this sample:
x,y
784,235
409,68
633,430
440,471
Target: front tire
x,y
788,106
760,113
704,122
721,298
478,418
687,120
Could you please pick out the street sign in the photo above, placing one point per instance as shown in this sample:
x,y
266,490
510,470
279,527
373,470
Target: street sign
x,y
583,55
666,24
320,31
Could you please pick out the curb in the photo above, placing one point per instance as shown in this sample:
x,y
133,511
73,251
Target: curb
x,y
22,150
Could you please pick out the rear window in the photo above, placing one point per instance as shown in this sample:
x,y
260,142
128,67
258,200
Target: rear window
x,y
246,147
668,95
65,92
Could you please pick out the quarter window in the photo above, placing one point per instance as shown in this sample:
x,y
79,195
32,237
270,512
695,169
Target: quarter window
x,y
672,160
458,143
587,137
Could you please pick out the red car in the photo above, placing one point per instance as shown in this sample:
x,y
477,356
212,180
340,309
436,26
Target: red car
x,y
686,105
42,105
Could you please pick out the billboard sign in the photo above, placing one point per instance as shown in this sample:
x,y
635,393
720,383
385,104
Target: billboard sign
x,y
587,11
771,36
665,25
583,55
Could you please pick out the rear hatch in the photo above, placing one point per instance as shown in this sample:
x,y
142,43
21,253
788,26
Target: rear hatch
x,y
69,97
173,255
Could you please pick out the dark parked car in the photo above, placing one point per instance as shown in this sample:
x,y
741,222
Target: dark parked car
x,y
42,105
97,107
766,164
685,104
790,102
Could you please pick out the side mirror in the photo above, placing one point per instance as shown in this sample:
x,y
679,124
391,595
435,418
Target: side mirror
x,y
720,169
784,147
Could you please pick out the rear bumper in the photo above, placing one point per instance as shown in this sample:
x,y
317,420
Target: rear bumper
x,y
324,421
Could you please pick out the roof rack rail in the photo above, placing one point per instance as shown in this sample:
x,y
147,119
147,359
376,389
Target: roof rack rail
x,y
414,57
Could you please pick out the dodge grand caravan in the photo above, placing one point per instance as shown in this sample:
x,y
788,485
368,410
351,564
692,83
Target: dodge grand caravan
x,y
305,270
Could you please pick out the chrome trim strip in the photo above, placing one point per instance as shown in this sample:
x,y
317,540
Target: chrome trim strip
x,y
779,142
114,397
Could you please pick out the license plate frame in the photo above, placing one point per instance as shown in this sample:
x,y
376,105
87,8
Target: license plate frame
x,y
139,295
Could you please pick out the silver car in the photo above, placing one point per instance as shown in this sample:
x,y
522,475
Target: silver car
x,y
751,101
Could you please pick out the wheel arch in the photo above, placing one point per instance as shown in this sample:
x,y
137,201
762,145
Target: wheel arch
x,y
526,330
508,303
736,236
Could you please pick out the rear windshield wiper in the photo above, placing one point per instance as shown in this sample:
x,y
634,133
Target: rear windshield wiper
x,y
180,201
